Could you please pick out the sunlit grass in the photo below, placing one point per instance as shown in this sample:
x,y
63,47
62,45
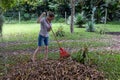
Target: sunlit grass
x,y
29,32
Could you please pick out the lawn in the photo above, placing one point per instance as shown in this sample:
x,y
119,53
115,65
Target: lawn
x,y
29,32
24,32
24,36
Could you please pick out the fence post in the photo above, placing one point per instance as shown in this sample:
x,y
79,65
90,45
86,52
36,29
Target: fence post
x,y
19,16
65,17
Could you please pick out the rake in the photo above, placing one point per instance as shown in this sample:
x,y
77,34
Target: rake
x,y
63,52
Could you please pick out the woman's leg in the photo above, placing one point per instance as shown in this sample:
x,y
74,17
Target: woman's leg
x,y
40,40
35,53
46,53
46,47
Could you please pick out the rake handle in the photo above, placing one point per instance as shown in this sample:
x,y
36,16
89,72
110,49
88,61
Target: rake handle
x,y
56,38
54,35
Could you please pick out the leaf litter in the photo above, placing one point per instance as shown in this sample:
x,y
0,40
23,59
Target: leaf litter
x,y
59,69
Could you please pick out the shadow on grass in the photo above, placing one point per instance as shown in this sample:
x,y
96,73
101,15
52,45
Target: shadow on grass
x,y
113,33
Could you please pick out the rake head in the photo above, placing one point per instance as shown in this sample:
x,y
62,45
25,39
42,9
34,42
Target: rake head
x,y
64,53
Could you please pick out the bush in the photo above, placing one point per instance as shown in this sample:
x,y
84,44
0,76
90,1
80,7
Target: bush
x,y
27,16
80,20
101,30
90,27
58,19
81,55
60,32
61,20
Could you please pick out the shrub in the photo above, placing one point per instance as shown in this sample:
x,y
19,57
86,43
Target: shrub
x,y
101,30
90,27
27,16
60,32
81,55
80,20
59,20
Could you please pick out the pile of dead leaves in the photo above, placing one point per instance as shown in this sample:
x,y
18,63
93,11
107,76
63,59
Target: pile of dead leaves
x,y
62,69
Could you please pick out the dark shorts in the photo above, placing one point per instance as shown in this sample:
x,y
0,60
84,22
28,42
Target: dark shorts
x,y
42,39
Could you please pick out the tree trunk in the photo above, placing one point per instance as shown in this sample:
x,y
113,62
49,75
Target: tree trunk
x,y
65,17
1,23
72,16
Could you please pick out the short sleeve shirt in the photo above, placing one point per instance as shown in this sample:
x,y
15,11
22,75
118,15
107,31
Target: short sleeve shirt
x,y
44,25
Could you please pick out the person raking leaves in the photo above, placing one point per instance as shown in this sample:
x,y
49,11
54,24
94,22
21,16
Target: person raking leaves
x,y
46,26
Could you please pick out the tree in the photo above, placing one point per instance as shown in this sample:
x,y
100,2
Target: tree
x,y
6,4
1,22
113,9
72,6
72,16
62,1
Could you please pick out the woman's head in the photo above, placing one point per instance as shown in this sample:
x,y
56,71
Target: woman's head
x,y
50,15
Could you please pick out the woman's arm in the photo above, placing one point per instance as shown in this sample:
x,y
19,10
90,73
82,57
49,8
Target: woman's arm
x,y
43,14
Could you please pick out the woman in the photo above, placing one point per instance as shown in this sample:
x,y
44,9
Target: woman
x,y
45,22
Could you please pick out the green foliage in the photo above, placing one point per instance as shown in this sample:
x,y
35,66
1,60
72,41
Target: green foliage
x,y
107,62
53,6
7,4
27,16
104,62
59,20
80,20
62,1
102,30
90,27
60,32
81,55
111,5
62,6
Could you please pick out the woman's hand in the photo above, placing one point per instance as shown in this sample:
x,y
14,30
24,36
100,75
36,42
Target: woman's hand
x,y
44,13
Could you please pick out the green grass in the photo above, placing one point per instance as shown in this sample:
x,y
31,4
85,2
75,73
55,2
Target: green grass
x,y
111,27
52,45
109,64
105,61
27,34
